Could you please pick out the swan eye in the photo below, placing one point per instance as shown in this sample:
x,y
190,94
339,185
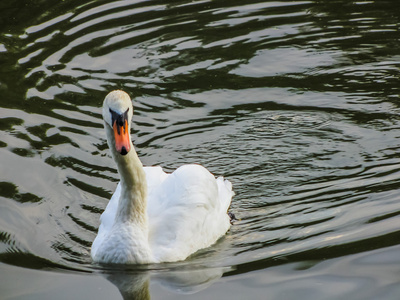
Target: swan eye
x,y
119,119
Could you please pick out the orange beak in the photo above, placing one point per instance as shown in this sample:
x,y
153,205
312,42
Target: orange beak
x,y
121,134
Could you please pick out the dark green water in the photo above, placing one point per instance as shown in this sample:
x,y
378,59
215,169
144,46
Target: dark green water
x,y
295,102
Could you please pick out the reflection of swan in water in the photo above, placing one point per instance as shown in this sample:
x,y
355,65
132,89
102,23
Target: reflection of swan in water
x,y
135,285
132,286
189,281
153,216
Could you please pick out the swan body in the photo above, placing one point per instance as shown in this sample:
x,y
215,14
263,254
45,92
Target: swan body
x,y
154,216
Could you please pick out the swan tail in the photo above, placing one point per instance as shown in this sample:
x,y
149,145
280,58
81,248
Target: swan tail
x,y
225,193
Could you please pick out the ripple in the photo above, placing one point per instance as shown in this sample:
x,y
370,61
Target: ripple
x,y
296,103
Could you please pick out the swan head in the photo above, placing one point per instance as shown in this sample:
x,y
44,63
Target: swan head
x,y
117,113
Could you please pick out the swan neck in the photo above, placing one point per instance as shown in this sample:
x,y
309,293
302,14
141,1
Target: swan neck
x,y
132,205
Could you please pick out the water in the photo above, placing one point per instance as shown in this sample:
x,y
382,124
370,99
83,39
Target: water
x,y
295,102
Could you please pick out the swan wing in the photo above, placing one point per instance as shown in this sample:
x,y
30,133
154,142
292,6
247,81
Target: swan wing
x,y
187,212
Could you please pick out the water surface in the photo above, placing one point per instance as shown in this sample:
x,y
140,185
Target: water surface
x,y
295,102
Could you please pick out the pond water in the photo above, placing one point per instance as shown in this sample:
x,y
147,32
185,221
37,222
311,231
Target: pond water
x,y
295,102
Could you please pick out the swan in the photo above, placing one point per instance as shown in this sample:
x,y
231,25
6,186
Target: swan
x,y
154,216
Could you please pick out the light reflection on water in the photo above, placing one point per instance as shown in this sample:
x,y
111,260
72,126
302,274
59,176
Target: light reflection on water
x,y
296,103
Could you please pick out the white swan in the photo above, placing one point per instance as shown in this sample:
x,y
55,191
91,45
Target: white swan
x,y
154,216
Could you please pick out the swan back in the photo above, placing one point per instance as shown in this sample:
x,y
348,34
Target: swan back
x,y
187,212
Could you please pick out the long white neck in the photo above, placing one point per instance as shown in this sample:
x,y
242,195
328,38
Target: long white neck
x,y
132,205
